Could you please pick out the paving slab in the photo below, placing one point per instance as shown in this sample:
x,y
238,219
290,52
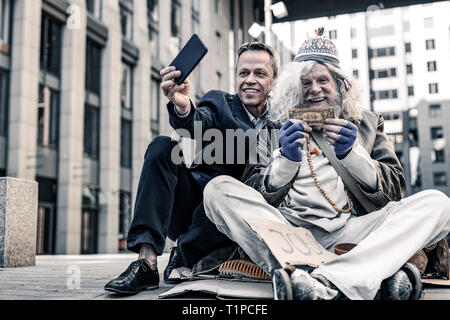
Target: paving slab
x,y
82,277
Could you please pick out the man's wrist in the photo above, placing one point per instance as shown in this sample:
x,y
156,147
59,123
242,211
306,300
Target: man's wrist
x,y
184,112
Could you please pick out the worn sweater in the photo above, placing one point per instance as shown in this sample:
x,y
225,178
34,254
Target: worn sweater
x,y
304,204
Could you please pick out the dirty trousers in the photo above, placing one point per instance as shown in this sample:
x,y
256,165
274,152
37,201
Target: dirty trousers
x,y
386,238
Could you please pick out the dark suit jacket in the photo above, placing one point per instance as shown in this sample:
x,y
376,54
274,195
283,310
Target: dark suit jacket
x,y
216,110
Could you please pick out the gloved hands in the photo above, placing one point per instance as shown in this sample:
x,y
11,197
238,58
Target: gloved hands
x,y
292,136
341,134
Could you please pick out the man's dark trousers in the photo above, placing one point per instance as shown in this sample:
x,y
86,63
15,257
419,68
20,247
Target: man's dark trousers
x,y
169,203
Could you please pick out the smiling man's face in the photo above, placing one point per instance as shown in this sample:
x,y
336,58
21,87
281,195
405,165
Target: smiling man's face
x,y
318,87
254,79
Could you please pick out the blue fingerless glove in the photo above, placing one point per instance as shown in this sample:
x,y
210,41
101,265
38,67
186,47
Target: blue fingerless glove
x,y
290,147
344,144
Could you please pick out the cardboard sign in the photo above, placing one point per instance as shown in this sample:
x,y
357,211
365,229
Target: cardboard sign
x,y
291,245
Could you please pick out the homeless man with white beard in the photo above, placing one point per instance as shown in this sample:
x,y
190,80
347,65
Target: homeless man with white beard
x,y
351,190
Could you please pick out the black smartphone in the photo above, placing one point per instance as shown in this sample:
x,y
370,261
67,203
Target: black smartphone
x,y
189,57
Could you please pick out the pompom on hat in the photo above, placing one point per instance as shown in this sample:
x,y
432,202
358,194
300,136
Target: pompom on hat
x,y
319,49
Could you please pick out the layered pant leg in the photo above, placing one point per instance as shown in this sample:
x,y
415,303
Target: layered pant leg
x,y
167,196
227,202
386,240
201,238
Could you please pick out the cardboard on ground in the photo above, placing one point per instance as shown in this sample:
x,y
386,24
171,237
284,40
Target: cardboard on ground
x,y
291,245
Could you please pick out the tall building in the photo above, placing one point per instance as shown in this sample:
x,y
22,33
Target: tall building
x,y
80,101
400,57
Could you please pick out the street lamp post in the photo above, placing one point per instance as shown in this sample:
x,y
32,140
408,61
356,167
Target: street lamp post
x,y
279,11
268,22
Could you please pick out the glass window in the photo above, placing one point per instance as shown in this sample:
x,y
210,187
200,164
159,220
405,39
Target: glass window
x,y
154,41
91,131
433,88
48,117
386,94
333,34
4,93
408,47
436,133
152,6
126,88
409,69
354,53
216,6
125,143
175,19
435,111
393,72
382,74
155,107
429,44
438,155
440,178
93,67
383,94
381,52
431,66
50,55
89,220
126,23
153,23
5,15
94,7
394,94
124,217
89,227
355,74
410,90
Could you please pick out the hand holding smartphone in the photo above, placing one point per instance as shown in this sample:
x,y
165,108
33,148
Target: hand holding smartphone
x,y
189,57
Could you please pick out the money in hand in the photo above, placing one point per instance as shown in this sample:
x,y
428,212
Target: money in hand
x,y
312,116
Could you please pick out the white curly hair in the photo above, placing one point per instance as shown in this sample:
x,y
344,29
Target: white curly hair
x,y
287,92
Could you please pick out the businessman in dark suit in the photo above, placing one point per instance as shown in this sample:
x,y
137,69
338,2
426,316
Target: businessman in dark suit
x,y
169,196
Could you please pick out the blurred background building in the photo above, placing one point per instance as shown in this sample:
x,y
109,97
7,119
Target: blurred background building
x,y
401,58
80,101
80,97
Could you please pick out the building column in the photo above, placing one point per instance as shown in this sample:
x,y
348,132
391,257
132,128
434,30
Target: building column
x,y
68,231
141,96
24,85
110,131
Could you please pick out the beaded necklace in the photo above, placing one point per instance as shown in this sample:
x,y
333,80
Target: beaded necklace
x,y
313,173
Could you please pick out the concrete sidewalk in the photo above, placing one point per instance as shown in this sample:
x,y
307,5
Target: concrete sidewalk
x,y
55,277
82,277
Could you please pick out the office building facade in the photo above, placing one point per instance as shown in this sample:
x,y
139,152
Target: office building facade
x,y
80,102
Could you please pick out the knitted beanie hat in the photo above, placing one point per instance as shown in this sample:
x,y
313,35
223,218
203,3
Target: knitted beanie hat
x,y
319,49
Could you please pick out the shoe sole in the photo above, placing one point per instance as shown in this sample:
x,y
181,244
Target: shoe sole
x,y
281,285
131,292
413,274
173,281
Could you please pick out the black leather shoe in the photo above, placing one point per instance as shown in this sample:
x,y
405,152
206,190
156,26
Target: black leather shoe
x,y
138,276
175,261
405,284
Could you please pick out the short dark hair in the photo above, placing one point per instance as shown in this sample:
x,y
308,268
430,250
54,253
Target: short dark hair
x,y
259,46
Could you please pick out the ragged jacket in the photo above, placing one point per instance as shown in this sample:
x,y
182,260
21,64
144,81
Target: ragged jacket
x,y
390,176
